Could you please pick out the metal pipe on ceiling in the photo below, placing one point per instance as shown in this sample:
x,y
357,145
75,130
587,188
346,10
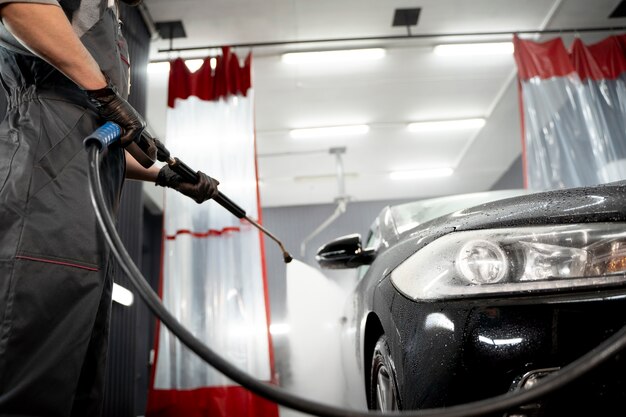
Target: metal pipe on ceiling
x,y
402,37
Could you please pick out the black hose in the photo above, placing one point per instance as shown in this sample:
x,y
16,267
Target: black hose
x,y
584,364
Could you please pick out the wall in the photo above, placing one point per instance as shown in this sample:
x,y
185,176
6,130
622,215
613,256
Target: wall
x,y
513,177
504,124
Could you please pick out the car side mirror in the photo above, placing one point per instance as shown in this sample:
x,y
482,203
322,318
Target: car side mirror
x,y
344,252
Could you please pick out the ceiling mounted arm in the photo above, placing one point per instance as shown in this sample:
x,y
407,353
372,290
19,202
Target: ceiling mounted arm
x,y
341,199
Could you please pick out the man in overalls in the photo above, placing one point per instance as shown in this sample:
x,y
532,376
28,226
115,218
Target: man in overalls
x,y
64,67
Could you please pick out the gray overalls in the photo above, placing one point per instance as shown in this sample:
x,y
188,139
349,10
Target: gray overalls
x,y
55,271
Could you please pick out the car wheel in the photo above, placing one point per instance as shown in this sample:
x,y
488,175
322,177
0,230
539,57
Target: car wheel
x,y
383,389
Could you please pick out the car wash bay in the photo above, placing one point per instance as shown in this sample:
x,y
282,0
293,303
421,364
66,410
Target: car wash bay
x,y
393,108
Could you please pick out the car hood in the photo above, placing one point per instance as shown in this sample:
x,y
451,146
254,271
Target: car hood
x,y
604,203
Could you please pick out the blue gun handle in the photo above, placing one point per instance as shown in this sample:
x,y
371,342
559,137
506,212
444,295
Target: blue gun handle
x,y
104,135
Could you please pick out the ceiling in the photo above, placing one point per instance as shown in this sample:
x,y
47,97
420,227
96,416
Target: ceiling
x,y
409,84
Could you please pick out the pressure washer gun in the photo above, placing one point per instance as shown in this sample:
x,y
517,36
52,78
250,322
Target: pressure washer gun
x,y
148,149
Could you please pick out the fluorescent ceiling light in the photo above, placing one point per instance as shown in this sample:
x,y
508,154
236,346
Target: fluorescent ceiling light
x,y
442,125
465,49
194,64
305,178
319,57
318,132
421,174
122,296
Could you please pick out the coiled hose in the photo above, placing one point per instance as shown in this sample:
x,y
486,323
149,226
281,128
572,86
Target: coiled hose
x,y
571,372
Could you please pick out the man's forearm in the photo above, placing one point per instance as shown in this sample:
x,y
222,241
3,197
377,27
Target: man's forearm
x,y
135,171
45,31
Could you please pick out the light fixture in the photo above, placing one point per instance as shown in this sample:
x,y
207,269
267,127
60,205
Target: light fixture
x,y
319,57
194,65
122,296
473,49
441,125
318,132
421,174
309,178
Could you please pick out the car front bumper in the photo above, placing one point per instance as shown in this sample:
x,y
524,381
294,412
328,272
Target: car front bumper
x,y
452,352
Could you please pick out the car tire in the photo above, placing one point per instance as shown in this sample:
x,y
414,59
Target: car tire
x,y
383,395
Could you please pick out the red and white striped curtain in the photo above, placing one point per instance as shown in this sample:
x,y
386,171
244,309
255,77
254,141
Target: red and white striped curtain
x,y
213,273
574,112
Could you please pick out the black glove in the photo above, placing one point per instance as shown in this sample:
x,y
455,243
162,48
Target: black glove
x,y
112,107
204,189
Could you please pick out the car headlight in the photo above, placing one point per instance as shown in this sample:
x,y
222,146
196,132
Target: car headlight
x,y
515,260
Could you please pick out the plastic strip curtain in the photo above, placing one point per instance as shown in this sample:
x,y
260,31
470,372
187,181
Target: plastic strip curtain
x,y
213,276
574,112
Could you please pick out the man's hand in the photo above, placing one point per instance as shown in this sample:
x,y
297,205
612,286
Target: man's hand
x,y
112,107
203,190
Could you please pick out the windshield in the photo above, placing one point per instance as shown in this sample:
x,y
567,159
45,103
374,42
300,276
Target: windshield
x,y
410,215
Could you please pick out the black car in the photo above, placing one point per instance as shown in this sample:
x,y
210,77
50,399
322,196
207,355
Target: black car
x,y
488,300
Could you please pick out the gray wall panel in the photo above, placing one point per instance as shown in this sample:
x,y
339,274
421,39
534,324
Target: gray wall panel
x,y
513,177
